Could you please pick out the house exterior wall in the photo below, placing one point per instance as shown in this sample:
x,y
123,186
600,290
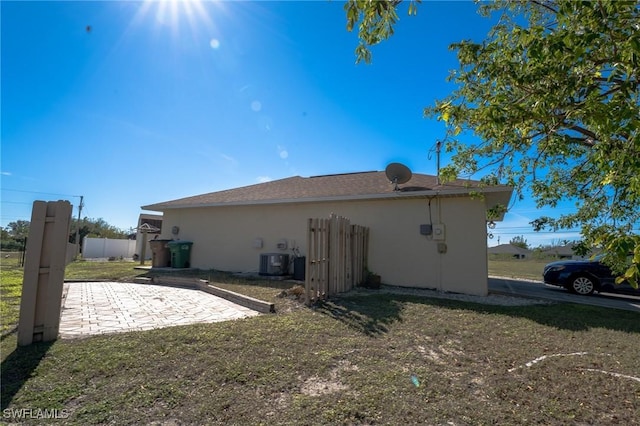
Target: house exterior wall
x,y
224,237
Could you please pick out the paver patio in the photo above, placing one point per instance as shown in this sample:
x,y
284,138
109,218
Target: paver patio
x,y
91,308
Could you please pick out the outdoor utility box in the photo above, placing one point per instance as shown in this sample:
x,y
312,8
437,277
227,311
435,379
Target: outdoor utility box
x,y
161,256
299,266
180,253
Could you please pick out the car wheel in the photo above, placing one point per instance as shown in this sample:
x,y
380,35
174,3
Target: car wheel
x,y
582,284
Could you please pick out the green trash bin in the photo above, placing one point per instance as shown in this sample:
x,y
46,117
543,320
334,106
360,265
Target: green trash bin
x,y
180,253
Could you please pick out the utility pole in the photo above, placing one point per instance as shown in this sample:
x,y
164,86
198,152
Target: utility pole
x,y
438,147
78,226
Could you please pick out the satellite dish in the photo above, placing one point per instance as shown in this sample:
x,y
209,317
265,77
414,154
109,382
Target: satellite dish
x,y
398,173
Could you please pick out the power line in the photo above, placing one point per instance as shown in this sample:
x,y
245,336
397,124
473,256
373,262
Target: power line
x,y
38,192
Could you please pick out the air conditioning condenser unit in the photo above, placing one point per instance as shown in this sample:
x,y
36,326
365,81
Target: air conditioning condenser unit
x,y
274,264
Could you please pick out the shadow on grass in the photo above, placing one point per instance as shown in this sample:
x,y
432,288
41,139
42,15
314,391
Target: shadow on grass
x,y
18,367
372,314
8,333
364,314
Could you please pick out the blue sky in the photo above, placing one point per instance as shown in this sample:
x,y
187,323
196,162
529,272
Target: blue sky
x,y
131,103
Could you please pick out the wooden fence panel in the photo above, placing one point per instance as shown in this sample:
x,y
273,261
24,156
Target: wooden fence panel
x,y
348,266
336,257
311,269
44,267
359,246
323,251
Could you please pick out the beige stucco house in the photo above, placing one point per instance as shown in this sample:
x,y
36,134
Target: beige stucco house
x,y
510,250
230,229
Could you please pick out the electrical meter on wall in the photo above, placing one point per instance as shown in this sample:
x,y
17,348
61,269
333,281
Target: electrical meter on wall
x,y
438,231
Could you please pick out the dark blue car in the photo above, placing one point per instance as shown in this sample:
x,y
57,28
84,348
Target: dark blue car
x,y
584,277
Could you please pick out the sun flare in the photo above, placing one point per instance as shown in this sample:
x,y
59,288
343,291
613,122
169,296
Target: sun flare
x,y
177,13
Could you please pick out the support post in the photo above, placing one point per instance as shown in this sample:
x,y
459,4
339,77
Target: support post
x,y
78,227
44,267
143,249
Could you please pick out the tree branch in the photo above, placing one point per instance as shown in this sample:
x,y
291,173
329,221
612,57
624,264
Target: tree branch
x,y
545,5
591,137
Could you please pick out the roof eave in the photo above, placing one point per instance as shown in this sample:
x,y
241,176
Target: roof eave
x,y
445,192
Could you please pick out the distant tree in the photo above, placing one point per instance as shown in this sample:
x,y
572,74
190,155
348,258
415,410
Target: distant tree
x,y
553,96
519,241
7,242
89,227
558,242
18,229
95,228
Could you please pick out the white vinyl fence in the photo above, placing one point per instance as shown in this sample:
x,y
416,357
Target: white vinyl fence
x,y
93,248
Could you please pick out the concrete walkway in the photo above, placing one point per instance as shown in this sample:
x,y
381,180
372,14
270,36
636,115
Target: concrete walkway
x,y
90,308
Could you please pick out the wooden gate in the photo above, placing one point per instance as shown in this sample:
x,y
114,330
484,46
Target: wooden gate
x,y
336,256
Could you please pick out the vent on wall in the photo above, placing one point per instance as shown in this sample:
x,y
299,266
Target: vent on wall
x,y
274,264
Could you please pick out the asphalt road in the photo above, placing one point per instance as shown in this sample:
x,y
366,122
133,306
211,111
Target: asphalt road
x,y
539,290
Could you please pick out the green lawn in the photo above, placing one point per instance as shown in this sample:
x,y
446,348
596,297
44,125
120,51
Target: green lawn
x,y
523,268
359,359
116,270
10,291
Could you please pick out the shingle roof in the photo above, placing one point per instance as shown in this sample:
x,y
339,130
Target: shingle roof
x,y
328,187
507,249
